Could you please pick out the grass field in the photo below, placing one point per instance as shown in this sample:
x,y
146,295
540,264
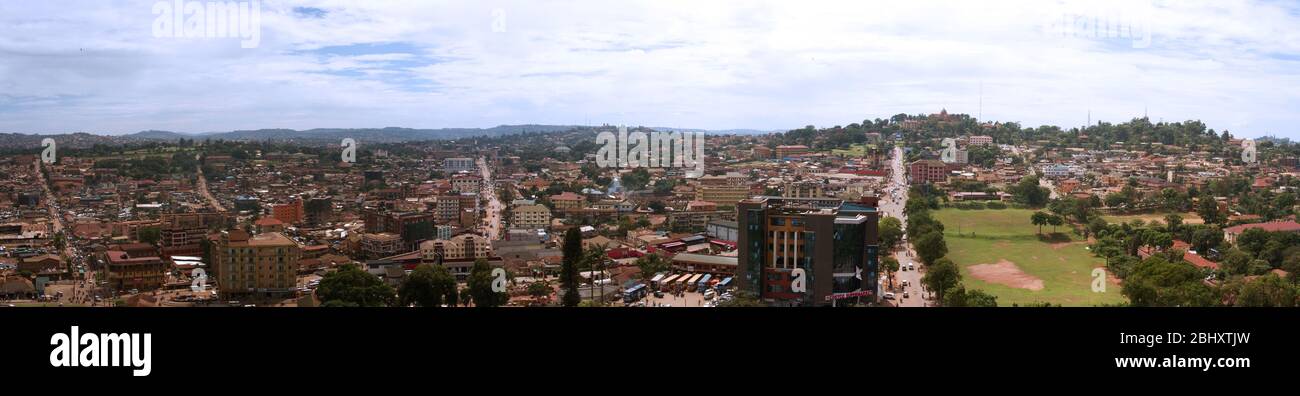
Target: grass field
x,y
1062,270
1188,218
854,151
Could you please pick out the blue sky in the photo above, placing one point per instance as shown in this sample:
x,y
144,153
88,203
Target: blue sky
x,y
96,66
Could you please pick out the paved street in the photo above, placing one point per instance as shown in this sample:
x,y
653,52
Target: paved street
x,y
892,204
492,220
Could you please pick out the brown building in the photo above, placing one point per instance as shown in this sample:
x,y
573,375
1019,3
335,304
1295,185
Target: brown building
x,y
289,213
125,271
265,265
928,171
791,151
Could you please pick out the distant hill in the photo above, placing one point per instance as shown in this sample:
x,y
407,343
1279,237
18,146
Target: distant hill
x,y
374,135
321,135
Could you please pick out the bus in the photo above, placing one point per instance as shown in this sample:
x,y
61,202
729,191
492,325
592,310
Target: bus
x,y
654,282
725,284
634,293
689,284
667,283
703,283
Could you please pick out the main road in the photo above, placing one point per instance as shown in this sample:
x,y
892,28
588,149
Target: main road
x,y
492,220
892,204
203,189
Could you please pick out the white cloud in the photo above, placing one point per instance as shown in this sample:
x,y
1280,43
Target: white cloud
x,y
94,66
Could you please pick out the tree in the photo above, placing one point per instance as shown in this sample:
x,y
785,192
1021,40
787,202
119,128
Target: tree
x,y
1266,291
150,235
480,286
743,299
1235,262
652,264
350,286
572,251
1157,282
1175,222
891,232
540,289
428,286
890,265
1039,219
930,247
942,276
1055,221
1028,192
1208,209
960,297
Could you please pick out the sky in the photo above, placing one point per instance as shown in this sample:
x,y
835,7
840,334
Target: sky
x,y
110,67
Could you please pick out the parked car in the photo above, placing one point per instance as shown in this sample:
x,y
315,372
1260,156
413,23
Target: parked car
x,y
889,296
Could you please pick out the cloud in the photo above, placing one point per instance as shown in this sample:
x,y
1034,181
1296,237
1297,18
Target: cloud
x,y
95,66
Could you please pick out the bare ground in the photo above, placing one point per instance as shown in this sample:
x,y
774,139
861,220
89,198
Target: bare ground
x,y
1006,273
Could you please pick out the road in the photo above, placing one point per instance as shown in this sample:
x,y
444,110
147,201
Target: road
x,y
894,207
83,289
203,189
492,220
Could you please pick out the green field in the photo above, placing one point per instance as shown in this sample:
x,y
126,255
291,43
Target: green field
x,y
1064,268
854,151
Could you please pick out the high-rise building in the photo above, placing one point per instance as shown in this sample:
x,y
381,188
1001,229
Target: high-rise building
x,y
263,265
834,243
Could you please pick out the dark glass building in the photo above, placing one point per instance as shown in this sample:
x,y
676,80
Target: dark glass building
x,y
835,243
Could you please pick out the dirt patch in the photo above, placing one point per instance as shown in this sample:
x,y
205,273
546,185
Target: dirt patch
x,y
1006,273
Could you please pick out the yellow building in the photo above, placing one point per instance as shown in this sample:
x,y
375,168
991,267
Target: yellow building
x,y
263,265
723,195
530,217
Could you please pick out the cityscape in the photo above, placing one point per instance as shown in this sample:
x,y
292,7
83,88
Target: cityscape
x,y
305,154
923,210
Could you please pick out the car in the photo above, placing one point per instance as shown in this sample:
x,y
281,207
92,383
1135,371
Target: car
x,y
904,294
911,267
889,296
659,294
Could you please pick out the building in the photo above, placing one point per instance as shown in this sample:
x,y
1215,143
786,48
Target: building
x,y
127,272
762,153
805,189
289,213
412,227
703,263
568,201
376,245
726,195
466,183
464,246
791,151
1230,234
530,217
721,229
979,140
183,233
834,243
1055,171
264,265
453,165
928,171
